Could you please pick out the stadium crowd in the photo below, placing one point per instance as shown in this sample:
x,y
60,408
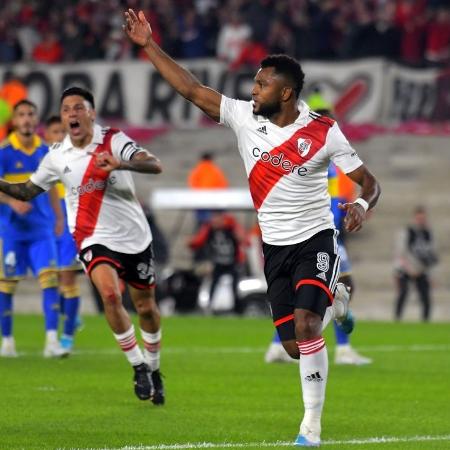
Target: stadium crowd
x,y
415,32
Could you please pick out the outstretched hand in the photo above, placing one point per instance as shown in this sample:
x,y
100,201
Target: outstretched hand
x,y
137,28
355,216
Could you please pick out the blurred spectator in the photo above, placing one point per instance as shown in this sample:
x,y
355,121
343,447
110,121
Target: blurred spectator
x,y
10,48
222,237
437,46
48,50
191,35
415,256
280,38
251,55
232,37
206,175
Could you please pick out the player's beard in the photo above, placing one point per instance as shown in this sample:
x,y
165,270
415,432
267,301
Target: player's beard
x,y
268,109
26,130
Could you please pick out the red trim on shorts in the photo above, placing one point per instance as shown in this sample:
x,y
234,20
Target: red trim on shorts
x,y
284,320
99,259
141,286
318,284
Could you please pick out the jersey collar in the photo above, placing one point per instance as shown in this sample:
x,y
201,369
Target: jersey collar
x,y
15,142
97,138
301,119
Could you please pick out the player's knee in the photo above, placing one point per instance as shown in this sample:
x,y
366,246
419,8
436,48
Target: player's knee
x,y
308,325
111,296
8,286
146,308
48,279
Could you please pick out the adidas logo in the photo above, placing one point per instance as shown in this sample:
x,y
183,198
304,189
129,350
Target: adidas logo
x,y
262,129
314,377
322,276
66,170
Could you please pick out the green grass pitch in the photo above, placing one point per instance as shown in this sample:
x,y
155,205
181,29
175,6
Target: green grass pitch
x,y
220,393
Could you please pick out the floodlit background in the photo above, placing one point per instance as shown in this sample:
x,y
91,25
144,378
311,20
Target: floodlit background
x,y
384,68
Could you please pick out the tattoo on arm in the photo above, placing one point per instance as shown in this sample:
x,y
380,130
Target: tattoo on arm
x,y
20,191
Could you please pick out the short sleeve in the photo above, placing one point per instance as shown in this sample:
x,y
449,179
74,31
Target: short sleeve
x,y
234,113
123,147
46,174
340,150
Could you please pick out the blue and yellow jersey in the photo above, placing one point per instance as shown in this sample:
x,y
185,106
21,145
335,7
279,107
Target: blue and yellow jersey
x,y
16,165
333,190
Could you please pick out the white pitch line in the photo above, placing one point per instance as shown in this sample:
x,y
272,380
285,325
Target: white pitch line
x,y
248,350
264,444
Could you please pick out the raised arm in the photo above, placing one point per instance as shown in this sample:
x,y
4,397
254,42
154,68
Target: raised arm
x,y
184,82
20,191
370,192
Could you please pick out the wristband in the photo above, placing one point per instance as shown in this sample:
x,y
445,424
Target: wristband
x,y
363,203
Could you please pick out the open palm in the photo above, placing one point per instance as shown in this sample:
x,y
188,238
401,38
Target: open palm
x,y
137,27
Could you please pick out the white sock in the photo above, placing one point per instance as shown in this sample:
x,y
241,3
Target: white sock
x,y
152,347
128,344
51,337
8,340
313,374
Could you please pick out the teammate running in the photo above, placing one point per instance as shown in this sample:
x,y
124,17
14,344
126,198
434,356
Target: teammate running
x,y
109,227
286,151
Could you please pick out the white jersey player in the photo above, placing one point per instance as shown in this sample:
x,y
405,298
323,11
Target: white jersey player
x,y
109,227
286,152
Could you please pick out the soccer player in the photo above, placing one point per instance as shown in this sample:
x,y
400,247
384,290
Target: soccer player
x,y
68,263
27,231
286,150
110,230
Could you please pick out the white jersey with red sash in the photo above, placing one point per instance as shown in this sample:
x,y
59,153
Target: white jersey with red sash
x,y
102,207
287,169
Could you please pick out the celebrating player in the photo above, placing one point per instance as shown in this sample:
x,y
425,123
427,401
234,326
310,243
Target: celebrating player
x,y
286,151
108,225
26,231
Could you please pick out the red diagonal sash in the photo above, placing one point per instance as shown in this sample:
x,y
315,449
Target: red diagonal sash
x,y
93,187
264,175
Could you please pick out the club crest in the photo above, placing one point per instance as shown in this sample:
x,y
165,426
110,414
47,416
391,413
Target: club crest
x,y
303,146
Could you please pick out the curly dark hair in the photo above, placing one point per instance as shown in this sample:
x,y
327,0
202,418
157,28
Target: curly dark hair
x,y
288,67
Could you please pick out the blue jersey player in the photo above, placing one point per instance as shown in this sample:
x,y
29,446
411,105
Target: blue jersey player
x,y
27,231
68,263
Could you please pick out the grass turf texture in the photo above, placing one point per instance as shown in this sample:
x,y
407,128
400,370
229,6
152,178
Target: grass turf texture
x,y
219,390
